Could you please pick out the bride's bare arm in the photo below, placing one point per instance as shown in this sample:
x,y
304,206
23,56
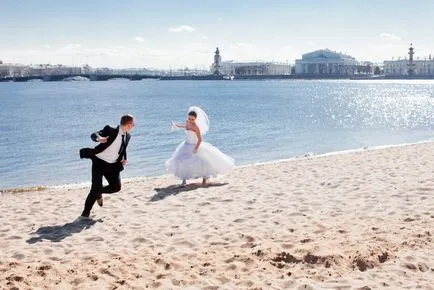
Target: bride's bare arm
x,y
199,139
179,125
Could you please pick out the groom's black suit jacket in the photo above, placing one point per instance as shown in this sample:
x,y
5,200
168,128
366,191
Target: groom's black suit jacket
x,y
111,133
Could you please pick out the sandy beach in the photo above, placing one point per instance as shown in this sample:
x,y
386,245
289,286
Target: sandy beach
x,y
359,220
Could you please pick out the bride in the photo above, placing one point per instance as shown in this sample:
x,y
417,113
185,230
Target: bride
x,y
194,158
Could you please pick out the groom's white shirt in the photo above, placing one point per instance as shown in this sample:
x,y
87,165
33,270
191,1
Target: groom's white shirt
x,y
111,153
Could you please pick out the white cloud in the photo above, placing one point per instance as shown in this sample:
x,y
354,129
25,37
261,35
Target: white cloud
x,y
204,37
139,39
219,19
47,46
389,36
182,28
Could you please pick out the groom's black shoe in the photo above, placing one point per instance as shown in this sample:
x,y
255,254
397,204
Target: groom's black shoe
x,y
100,200
85,214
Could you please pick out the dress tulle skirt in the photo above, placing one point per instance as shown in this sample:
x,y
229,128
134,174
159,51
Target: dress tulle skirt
x,y
208,161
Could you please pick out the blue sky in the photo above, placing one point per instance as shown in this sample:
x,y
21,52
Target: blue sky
x,y
164,34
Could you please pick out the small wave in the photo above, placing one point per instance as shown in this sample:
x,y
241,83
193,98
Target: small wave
x,y
76,79
310,155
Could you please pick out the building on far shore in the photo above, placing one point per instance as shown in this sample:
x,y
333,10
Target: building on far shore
x,y
12,69
21,70
325,62
47,69
234,68
257,68
409,67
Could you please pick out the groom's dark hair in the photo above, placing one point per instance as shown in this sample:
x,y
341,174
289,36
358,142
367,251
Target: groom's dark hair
x,y
126,119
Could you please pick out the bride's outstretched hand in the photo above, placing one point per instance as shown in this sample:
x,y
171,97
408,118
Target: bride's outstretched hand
x,y
173,126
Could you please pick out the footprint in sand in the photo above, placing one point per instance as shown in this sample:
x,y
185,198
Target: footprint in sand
x,y
232,267
92,276
107,272
305,287
186,243
18,256
48,251
44,267
140,240
227,200
248,238
287,246
422,267
410,266
15,278
94,239
41,270
67,252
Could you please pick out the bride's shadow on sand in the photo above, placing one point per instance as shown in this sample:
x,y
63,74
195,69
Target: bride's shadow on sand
x,y
164,192
58,233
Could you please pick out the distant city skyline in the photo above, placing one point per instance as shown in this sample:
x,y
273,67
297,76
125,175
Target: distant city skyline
x,y
176,34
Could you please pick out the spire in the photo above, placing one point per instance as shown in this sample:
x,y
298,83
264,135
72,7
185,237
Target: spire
x,y
411,63
217,62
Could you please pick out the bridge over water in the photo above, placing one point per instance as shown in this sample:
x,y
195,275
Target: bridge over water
x,y
91,77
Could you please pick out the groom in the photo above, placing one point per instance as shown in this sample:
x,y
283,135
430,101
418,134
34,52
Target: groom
x,y
108,159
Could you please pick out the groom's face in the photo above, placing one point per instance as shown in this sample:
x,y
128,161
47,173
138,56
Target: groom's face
x,y
129,126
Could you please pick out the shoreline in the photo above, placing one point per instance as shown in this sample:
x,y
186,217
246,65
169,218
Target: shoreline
x,y
139,77
85,184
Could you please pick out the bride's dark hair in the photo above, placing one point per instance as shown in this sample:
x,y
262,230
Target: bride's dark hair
x,y
192,113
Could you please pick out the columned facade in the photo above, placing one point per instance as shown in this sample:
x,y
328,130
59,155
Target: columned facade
x,y
326,62
409,67
400,67
254,68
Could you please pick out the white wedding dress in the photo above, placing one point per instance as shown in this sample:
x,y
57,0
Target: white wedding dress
x,y
208,161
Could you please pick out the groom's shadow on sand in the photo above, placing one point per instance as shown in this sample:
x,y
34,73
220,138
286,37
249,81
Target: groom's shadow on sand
x,y
58,233
164,192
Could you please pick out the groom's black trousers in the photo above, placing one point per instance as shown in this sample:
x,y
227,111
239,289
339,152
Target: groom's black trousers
x,y
101,169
